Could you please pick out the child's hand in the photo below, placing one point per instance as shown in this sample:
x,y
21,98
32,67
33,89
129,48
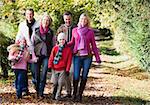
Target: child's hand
x,y
35,59
67,73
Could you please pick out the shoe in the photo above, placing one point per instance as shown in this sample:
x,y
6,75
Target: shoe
x,y
26,93
53,97
58,98
79,98
67,96
41,97
19,97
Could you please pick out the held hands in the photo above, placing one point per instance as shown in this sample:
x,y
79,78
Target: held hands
x,y
67,73
35,59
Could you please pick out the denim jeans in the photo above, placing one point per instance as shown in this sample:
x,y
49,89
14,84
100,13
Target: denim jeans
x,y
41,74
32,67
81,62
21,81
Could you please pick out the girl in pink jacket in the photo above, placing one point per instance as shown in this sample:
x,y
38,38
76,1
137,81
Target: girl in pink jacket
x,y
19,56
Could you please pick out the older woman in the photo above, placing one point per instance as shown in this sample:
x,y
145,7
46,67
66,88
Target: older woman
x,y
43,40
84,44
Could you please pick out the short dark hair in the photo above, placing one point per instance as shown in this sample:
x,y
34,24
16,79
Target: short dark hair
x,y
67,13
30,9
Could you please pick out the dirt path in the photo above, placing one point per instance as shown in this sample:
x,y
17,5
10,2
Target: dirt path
x,y
115,82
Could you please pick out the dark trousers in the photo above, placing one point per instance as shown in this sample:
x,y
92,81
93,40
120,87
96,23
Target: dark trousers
x,y
21,82
41,74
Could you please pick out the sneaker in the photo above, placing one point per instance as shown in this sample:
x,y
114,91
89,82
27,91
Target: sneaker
x,y
53,97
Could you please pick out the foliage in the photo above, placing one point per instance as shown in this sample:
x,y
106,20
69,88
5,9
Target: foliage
x,y
4,63
129,21
108,51
14,11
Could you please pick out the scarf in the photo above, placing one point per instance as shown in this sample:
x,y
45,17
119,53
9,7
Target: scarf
x,y
30,26
58,55
42,31
82,32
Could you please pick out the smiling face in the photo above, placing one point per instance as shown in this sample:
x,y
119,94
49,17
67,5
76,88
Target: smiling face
x,y
29,15
45,21
62,42
23,41
67,20
61,38
83,21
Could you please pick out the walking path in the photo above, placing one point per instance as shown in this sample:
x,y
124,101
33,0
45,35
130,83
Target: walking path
x,y
117,81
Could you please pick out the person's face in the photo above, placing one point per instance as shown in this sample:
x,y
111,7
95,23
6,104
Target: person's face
x,y
62,42
83,21
67,20
29,15
23,42
45,22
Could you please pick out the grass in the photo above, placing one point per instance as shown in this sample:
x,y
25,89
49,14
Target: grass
x,y
106,48
108,51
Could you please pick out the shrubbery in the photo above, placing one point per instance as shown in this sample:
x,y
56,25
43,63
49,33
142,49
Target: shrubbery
x,y
129,20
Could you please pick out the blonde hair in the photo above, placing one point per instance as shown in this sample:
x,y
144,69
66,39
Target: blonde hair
x,y
45,14
88,19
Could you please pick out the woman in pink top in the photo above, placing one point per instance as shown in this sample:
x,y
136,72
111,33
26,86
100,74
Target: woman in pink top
x,y
84,47
19,56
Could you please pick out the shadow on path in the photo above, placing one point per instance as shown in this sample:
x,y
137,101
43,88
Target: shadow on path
x,y
8,98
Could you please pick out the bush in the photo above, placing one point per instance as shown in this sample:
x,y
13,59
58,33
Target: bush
x,y
130,23
4,63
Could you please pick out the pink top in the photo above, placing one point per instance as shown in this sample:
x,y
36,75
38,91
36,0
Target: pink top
x,y
90,43
22,63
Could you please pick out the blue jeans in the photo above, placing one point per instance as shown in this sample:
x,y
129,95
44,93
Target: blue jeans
x,y
21,81
33,68
81,62
41,74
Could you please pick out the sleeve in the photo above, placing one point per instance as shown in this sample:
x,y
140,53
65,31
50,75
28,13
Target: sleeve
x,y
54,40
19,34
94,47
69,60
11,56
51,58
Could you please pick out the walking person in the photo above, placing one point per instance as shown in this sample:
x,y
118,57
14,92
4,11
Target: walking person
x,y
19,56
26,30
67,29
43,41
84,45
60,65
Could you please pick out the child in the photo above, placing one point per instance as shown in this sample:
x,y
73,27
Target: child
x,y
19,56
60,62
